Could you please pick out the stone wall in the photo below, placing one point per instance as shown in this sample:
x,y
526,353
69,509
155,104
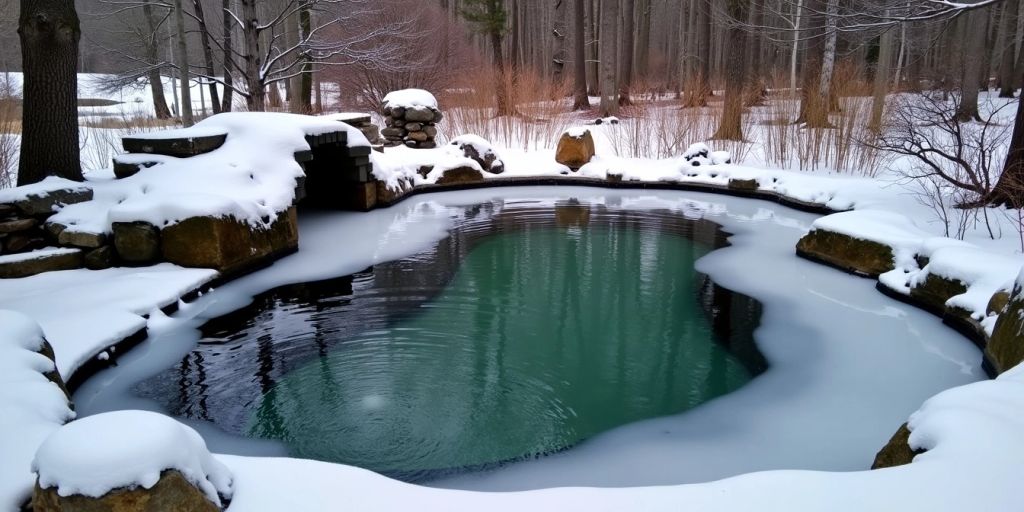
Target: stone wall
x,y
29,244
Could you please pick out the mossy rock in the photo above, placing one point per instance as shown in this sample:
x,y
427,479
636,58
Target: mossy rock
x,y
1005,348
172,493
897,452
998,303
460,175
935,291
862,257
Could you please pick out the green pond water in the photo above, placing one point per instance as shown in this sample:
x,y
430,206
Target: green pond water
x,y
542,338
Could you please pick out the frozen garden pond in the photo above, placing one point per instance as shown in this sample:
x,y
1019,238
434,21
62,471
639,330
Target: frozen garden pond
x,y
484,349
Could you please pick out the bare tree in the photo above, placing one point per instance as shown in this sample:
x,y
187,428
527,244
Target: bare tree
x,y
181,54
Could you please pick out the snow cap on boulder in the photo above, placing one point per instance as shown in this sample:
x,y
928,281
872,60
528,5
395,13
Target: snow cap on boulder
x,y
127,449
409,98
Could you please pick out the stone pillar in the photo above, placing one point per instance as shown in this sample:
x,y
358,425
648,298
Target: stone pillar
x,y
411,117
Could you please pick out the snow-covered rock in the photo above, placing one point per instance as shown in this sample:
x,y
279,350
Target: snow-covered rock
x,y
124,450
480,151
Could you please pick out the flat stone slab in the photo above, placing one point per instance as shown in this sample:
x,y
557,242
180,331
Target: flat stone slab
x,y
14,226
36,262
171,143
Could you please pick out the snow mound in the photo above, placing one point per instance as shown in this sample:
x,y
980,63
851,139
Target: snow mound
x,y
409,98
32,405
126,449
484,150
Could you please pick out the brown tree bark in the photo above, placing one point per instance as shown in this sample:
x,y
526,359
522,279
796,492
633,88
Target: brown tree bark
x,y
731,125
580,99
609,58
228,58
628,39
967,108
1007,73
1009,190
256,100
183,67
49,32
156,84
305,95
204,37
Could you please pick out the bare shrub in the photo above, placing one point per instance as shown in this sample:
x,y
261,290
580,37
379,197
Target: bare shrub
x,y
957,162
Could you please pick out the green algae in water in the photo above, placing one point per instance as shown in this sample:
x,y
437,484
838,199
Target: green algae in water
x,y
543,338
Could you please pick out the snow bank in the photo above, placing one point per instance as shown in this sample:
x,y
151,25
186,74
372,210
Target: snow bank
x,y
32,405
409,98
125,449
83,312
251,178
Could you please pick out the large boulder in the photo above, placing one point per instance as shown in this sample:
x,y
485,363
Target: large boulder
x,y
1005,349
229,245
137,243
128,461
575,148
863,257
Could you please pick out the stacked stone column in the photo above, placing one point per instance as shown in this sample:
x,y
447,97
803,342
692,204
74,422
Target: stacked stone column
x,y
415,127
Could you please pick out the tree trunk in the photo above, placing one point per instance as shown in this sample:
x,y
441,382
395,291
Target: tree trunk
x,y
305,95
253,65
558,33
881,81
228,28
1009,44
1009,190
156,84
796,46
182,58
628,39
971,66
731,125
609,20
580,99
644,37
828,56
49,33
204,35
705,24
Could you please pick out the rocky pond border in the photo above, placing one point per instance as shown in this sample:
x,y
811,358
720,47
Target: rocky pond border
x,y
860,255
